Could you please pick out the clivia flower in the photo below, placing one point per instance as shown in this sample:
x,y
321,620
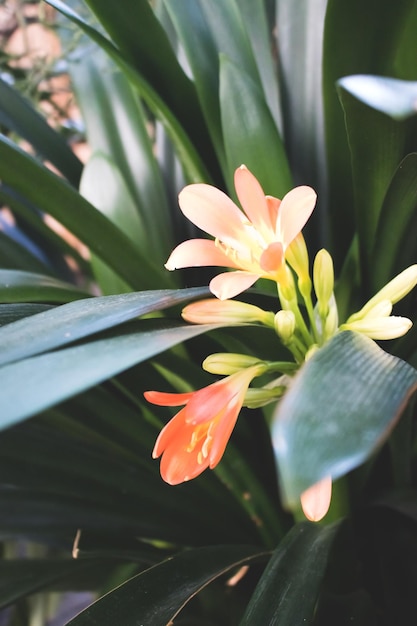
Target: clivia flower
x,y
253,241
197,436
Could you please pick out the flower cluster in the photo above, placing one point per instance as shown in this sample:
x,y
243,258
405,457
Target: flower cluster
x,y
262,241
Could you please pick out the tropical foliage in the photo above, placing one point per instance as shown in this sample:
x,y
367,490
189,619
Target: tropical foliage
x,y
314,97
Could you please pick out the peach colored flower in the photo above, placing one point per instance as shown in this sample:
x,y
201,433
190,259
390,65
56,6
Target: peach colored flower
x,y
253,241
315,501
196,437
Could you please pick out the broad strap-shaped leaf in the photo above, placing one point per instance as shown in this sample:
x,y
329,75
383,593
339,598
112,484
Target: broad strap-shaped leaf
x,y
394,97
250,134
339,409
395,239
359,38
289,587
12,312
157,595
17,114
70,322
375,156
299,40
51,194
19,286
187,153
36,383
22,577
116,127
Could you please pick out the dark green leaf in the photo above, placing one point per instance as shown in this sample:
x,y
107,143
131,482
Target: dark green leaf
x,y
19,578
250,134
76,320
118,132
299,37
377,145
53,377
157,595
394,97
394,246
18,286
55,196
188,155
359,38
12,312
18,115
340,408
288,589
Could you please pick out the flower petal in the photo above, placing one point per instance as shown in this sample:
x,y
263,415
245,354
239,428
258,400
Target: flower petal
x,y
168,399
272,257
198,253
230,284
212,211
295,209
252,199
315,501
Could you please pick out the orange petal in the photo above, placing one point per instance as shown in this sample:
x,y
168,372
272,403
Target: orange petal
x,y
272,258
213,211
252,198
168,399
230,284
295,209
315,501
198,253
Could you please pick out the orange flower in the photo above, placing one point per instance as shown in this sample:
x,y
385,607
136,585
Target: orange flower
x,y
197,436
252,241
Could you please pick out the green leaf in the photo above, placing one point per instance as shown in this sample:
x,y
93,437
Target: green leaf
x,y
299,38
55,196
394,97
22,577
14,255
12,312
53,377
157,595
377,145
359,38
18,115
394,247
250,134
103,186
18,286
197,39
118,130
187,153
68,323
289,587
339,409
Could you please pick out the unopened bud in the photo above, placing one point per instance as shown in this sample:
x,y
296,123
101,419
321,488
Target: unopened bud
x,y
380,328
297,256
323,279
394,291
285,325
214,311
226,363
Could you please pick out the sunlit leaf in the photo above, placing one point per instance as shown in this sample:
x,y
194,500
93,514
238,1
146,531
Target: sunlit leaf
x,y
339,409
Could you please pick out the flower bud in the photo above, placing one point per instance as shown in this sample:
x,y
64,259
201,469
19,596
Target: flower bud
x,y
394,291
226,363
380,328
214,311
323,279
297,256
285,325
